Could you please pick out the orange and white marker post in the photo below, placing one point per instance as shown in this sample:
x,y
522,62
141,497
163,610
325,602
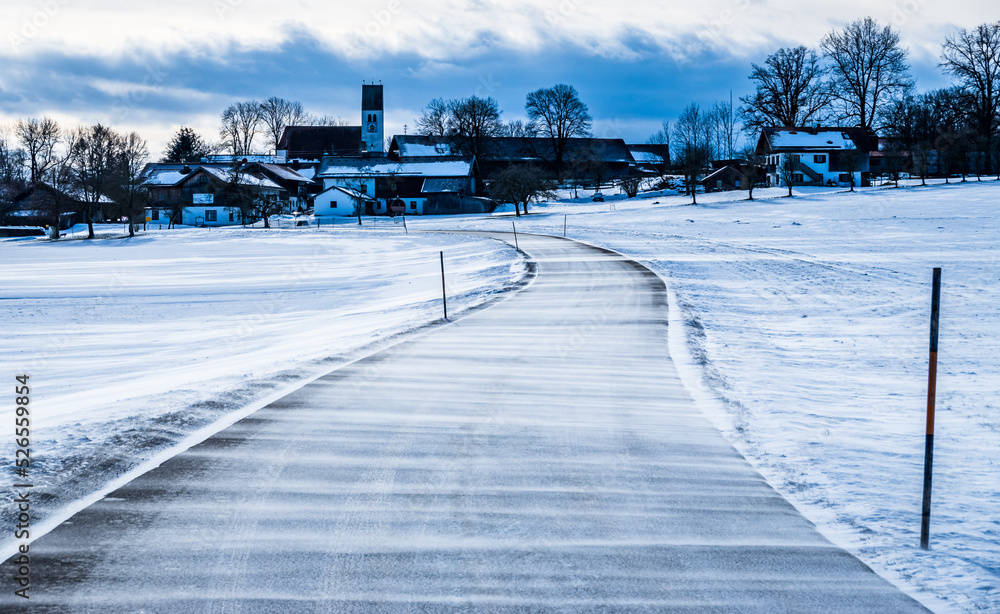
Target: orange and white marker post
x,y
925,523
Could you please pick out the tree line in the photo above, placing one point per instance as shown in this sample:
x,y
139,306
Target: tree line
x,y
859,76
92,165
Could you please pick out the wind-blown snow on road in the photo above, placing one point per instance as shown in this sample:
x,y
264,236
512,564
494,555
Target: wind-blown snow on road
x,y
808,319
540,455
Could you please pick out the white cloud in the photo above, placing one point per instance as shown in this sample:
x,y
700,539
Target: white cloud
x,y
443,29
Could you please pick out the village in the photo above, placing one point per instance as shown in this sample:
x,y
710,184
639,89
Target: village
x,y
322,173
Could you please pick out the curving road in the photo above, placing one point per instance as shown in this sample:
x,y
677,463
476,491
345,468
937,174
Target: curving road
x,y
537,456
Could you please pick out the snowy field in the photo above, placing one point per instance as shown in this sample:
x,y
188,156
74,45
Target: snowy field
x,y
132,344
805,321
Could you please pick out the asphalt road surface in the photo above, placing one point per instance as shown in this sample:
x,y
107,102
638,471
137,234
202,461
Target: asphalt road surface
x,y
540,455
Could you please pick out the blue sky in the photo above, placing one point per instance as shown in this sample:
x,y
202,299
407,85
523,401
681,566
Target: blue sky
x,y
634,62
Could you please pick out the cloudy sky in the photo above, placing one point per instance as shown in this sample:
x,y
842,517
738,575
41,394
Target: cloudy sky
x,y
152,68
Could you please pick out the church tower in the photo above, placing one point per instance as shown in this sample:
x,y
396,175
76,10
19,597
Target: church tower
x,y
372,128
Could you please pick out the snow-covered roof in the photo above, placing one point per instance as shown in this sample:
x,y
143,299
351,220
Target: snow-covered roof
x,y
229,159
349,191
414,150
646,157
805,140
225,175
444,185
813,139
286,173
341,167
165,176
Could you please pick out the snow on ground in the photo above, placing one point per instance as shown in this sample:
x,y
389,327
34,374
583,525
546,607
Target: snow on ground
x,y
131,344
807,319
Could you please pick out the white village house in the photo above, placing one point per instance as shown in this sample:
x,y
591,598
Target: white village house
x,y
379,183
815,156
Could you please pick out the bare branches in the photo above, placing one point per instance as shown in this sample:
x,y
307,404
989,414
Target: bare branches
x,y
692,140
241,123
973,58
277,113
435,119
869,71
790,90
558,114
39,138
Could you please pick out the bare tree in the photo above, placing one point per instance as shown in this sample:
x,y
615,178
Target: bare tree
x,y
752,161
786,171
95,152
326,120
60,177
921,161
12,168
435,120
520,185
692,144
630,185
475,122
661,136
519,129
558,114
128,184
277,113
850,160
725,129
973,58
791,90
869,70
39,138
240,125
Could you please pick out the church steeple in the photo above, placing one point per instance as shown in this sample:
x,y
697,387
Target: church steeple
x,y
372,128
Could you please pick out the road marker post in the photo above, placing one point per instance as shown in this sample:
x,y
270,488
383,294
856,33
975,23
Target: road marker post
x,y
514,226
564,225
925,520
444,294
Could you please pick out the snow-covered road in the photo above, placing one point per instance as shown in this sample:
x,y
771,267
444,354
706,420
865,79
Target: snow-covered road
x,y
540,455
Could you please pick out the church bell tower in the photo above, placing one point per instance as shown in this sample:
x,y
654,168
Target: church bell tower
x,y
372,128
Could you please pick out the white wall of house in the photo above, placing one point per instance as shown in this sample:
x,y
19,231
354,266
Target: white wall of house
x,y
197,215
333,202
818,162
210,215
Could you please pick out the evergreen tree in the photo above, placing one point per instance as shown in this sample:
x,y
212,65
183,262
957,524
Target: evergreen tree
x,y
186,147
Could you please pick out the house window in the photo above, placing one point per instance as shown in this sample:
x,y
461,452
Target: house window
x,y
845,178
819,159
378,205
737,183
154,214
796,177
232,216
796,158
718,184
201,180
413,205
211,215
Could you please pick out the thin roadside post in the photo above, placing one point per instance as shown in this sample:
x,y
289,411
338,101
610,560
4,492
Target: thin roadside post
x,y
404,225
564,224
925,520
514,226
444,294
